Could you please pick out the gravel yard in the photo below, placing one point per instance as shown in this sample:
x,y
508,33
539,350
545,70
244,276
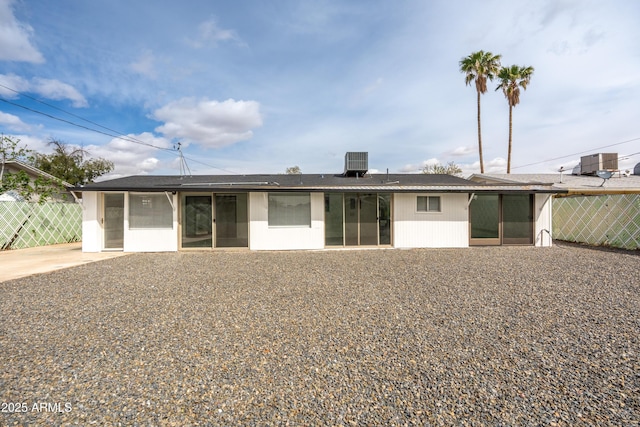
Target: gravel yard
x,y
498,336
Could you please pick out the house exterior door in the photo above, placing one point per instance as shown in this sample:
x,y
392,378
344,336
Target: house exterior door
x,y
231,221
501,219
113,221
219,220
197,221
517,219
353,219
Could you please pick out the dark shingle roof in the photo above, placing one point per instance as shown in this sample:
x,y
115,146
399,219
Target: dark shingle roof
x,y
301,182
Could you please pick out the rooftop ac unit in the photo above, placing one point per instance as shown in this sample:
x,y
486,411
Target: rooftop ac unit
x,y
636,170
593,163
356,163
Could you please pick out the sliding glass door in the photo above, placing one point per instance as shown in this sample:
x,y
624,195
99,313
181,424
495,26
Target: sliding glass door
x,y
231,221
197,221
484,218
353,219
517,219
219,220
113,222
333,219
501,219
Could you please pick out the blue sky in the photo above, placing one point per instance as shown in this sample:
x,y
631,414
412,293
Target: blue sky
x,y
256,87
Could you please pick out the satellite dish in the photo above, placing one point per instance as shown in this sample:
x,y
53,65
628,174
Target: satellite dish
x,y
605,175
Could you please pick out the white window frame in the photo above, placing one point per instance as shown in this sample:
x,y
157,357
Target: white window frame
x,y
428,205
305,223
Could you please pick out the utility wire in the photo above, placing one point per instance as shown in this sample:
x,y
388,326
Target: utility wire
x,y
581,152
84,127
119,134
137,141
115,133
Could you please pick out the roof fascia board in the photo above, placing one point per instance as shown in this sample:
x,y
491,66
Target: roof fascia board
x,y
355,189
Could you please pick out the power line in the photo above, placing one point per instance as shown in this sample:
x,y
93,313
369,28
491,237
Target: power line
x,y
82,126
119,134
115,133
581,152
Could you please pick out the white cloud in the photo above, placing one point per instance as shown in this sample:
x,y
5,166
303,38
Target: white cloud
x,y
57,90
145,65
463,151
209,123
14,38
131,158
11,86
497,165
410,168
30,142
209,34
13,122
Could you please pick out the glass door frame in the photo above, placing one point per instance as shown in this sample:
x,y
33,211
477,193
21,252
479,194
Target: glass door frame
x,y
357,223
181,220
501,240
525,241
105,220
486,241
219,226
214,230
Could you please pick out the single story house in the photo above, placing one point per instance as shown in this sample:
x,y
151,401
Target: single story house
x,y
311,211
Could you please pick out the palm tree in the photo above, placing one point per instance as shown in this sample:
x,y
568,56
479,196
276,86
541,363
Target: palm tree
x,y
511,80
478,67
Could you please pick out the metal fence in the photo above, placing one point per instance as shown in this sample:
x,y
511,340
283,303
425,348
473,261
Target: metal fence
x,y
608,220
26,225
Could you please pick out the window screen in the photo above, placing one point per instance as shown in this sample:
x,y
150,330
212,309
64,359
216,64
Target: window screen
x,y
150,211
290,209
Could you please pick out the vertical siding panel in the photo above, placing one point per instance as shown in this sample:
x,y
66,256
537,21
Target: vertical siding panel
x,y
542,220
263,237
446,229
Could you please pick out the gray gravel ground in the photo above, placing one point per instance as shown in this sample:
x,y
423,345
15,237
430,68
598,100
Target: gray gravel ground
x,y
481,336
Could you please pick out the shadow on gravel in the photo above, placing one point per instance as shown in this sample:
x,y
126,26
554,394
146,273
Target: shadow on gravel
x,y
564,243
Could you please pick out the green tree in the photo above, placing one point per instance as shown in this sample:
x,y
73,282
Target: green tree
x,y
20,182
448,169
69,164
478,67
511,80
294,170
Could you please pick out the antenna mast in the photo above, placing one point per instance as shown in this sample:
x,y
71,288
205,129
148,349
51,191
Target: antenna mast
x,y
184,167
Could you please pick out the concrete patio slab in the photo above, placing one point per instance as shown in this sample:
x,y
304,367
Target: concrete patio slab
x,y
25,262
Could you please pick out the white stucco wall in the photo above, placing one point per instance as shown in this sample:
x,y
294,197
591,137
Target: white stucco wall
x,y
263,237
542,218
446,229
411,229
91,227
135,240
151,239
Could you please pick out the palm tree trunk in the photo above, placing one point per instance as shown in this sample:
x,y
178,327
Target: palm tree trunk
x,y
480,137
510,132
